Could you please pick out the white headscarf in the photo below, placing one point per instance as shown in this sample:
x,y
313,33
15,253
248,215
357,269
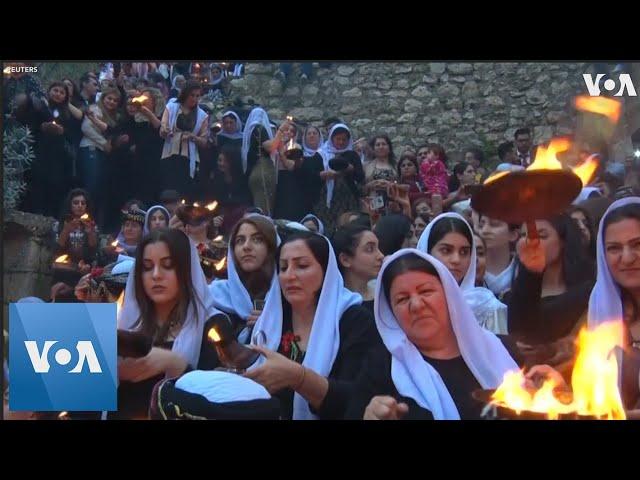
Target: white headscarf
x,y
145,228
324,340
308,151
330,151
188,342
257,117
238,133
605,303
311,216
413,377
231,295
585,194
488,310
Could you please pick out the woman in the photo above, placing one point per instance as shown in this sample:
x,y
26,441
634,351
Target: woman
x,y
359,259
394,232
313,223
184,127
380,172
463,177
475,157
449,238
340,192
78,237
156,217
230,189
95,146
257,163
165,300
251,272
130,234
498,236
420,223
550,291
312,165
583,220
408,174
436,354
177,85
231,132
316,333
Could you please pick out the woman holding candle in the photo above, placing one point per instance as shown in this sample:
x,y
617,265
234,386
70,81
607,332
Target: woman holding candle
x,y
312,166
316,333
78,235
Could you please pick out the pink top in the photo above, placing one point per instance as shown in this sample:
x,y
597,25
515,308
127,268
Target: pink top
x,y
434,177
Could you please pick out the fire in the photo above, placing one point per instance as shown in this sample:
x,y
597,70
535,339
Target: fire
x,y
586,170
212,206
608,107
495,177
219,238
119,303
546,157
62,259
196,204
84,217
594,381
140,99
220,265
291,145
114,244
289,118
213,335
182,202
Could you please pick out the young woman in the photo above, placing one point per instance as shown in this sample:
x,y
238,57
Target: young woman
x,y
78,237
156,217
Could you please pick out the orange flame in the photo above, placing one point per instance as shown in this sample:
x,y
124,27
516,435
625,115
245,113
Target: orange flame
x,y
212,206
495,177
214,335
84,217
594,381
586,170
119,303
608,107
62,259
220,265
546,157
140,99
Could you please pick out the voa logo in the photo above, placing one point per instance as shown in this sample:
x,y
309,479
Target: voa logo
x,y
40,358
622,84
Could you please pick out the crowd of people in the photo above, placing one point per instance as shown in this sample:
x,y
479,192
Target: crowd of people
x,y
362,277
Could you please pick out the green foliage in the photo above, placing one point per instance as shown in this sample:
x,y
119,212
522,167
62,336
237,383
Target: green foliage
x,y
17,153
49,72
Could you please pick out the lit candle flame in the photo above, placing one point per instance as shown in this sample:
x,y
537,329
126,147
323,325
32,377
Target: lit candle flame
x,y
289,118
586,170
218,238
63,415
196,204
290,145
608,107
212,206
214,335
220,265
114,244
183,201
85,217
140,99
62,259
218,125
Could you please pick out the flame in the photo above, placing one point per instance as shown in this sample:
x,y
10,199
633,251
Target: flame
x,y
85,217
7,70
220,265
119,303
197,65
594,381
183,201
289,118
212,206
214,335
291,145
219,238
218,125
114,244
586,170
63,415
495,177
546,157
196,204
608,107
140,99
62,259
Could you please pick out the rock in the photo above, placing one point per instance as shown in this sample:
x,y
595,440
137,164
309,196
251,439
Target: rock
x,y
535,97
407,118
412,105
460,68
470,90
458,79
421,91
346,70
349,108
494,101
437,68
402,83
259,68
429,79
292,91
384,84
310,90
447,90
553,116
353,93
403,68
275,88
343,81
307,114
515,94
362,123
396,93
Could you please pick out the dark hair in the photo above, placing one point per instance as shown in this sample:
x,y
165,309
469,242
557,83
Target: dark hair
x,y
316,243
504,148
128,203
340,130
180,250
411,158
331,120
362,218
448,225
63,108
439,151
189,87
591,247
454,181
169,196
346,240
406,263
86,78
234,158
522,131
76,192
385,137
157,209
257,283
477,153
392,230
75,96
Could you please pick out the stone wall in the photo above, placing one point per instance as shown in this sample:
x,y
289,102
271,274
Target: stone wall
x,y
456,104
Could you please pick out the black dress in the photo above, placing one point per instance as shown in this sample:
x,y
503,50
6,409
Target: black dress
x,y
234,198
375,379
358,335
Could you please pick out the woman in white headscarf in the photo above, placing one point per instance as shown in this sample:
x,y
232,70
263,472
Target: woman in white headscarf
x,y
340,192
312,166
435,352
251,272
231,132
313,223
156,217
166,300
449,238
313,337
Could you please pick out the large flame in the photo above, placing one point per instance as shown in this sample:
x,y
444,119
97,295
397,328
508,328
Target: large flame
x,y
608,107
594,381
214,335
62,259
196,204
586,170
546,157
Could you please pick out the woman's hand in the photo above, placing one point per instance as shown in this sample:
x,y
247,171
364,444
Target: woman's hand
x,y
83,267
531,254
385,408
158,361
277,373
539,374
217,221
253,318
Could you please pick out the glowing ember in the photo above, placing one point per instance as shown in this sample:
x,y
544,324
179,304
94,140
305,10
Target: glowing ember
x,y
586,170
140,99
62,259
63,415
594,381
212,206
213,335
119,303
220,265
495,177
546,157
608,107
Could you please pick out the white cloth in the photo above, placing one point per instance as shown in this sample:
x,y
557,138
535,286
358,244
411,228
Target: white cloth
x,y
501,282
585,194
124,266
238,133
257,117
310,216
174,109
484,354
188,342
221,387
330,151
605,302
488,310
128,248
324,339
145,230
308,151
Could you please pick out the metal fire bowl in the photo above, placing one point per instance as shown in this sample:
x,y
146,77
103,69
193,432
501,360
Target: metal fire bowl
x,y
194,216
504,413
527,195
294,154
